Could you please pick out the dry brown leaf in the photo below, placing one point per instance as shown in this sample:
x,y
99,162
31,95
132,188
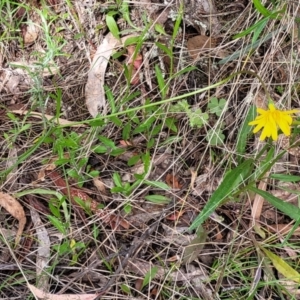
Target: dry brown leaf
x,y
284,229
43,251
193,178
16,210
47,296
58,121
124,143
135,64
258,202
50,166
196,44
99,185
70,192
30,34
94,89
175,216
257,208
114,221
11,162
173,182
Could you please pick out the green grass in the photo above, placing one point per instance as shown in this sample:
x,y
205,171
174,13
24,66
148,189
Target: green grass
x,y
188,119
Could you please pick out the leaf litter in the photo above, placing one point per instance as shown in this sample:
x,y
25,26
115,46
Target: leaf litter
x,y
16,210
127,237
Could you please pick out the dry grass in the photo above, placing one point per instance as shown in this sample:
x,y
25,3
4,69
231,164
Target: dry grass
x,y
118,244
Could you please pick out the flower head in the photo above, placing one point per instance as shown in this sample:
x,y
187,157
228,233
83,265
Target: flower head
x,y
271,119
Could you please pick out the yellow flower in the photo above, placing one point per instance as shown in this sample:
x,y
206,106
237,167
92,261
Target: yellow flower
x,y
271,119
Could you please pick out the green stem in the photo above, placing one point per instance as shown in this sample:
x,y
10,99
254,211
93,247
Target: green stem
x,y
227,79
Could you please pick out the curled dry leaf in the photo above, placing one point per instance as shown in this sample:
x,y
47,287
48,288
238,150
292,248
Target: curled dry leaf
x,y
172,181
43,251
99,184
16,210
175,216
47,296
59,121
134,63
197,43
94,89
257,208
114,221
30,33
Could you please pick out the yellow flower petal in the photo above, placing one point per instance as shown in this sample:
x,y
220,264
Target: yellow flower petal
x,y
272,119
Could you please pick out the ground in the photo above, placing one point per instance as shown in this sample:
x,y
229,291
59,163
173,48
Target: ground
x,y
128,167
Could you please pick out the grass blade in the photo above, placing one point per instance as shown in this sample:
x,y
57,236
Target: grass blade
x,y
282,267
231,182
285,207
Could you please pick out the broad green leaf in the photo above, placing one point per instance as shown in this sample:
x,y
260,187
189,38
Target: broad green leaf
x,y
164,48
133,160
183,71
244,131
251,28
285,177
54,210
117,180
107,142
57,224
158,184
216,106
159,28
259,6
125,288
127,208
100,149
192,251
147,161
158,199
86,205
132,41
112,25
282,267
94,173
177,24
96,122
228,186
117,151
180,106
124,9
258,30
285,207
149,276
126,131
215,137
170,122
40,192
161,82
197,118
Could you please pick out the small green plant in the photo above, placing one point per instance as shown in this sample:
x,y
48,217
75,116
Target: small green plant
x,y
215,137
196,116
258,27
216,106
243,177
